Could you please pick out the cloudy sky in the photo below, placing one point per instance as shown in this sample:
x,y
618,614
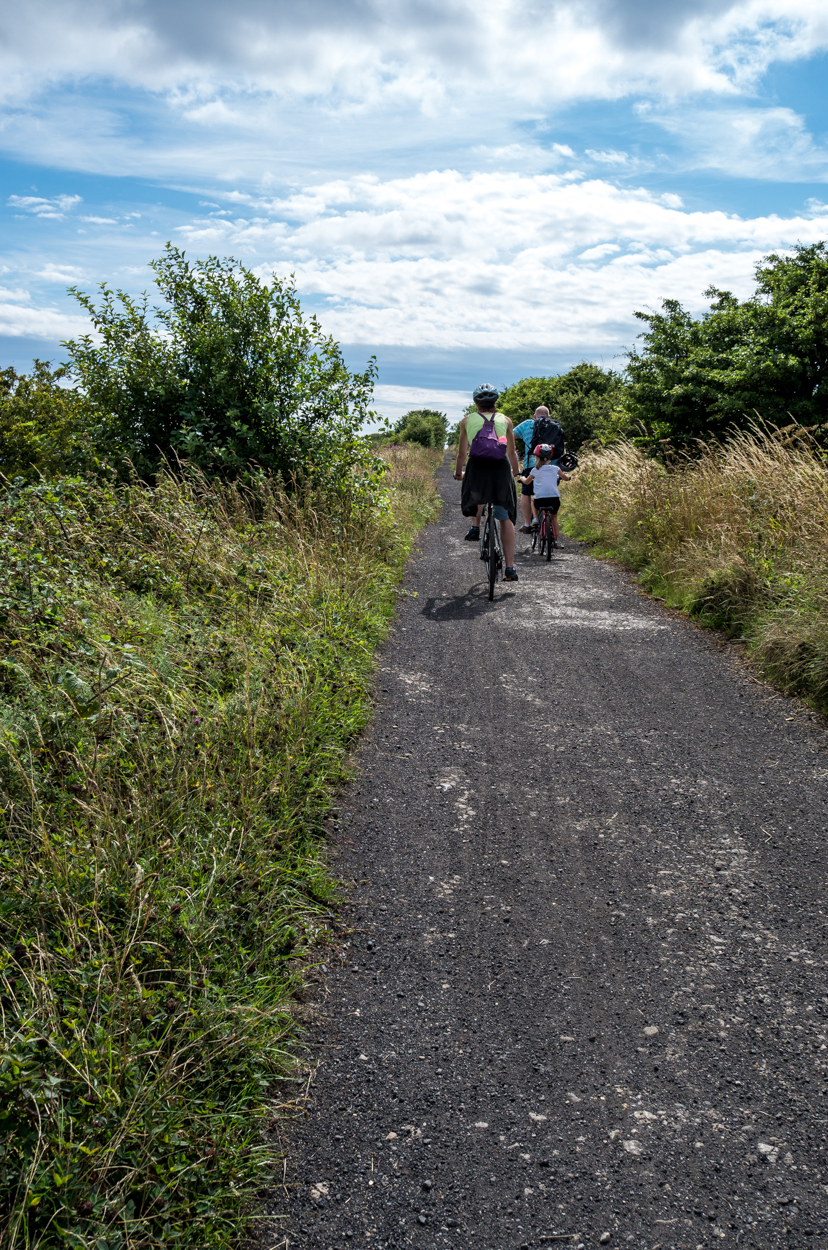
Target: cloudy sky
x,y
469,189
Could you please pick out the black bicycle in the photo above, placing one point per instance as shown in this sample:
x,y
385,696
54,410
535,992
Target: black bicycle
x,y
490,549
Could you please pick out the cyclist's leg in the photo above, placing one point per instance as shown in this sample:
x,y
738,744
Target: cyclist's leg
x,y
507,535
507,538
526,504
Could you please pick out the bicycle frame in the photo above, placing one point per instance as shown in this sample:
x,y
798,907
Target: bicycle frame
x,y
544,534
491,550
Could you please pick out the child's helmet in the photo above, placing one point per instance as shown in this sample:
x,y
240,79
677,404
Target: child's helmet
x,y
543,449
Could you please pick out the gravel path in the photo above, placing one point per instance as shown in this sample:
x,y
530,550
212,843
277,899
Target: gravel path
x,y
585,1000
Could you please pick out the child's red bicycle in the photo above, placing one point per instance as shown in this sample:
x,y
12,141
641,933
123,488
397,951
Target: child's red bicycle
x,y
543,537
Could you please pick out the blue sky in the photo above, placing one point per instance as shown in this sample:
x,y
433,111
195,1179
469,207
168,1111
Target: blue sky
x,y
467,190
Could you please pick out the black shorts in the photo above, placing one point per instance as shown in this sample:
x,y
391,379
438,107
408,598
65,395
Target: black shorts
x,y
488,481
550,503
527,490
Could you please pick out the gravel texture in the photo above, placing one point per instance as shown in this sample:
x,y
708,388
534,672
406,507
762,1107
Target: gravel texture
x,y
583,1001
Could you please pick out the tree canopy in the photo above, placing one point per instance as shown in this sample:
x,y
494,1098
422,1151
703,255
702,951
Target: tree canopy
x,y
46,427
763,357
425,426
584,400
227,372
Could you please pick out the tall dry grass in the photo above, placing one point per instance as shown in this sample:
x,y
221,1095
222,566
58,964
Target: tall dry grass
x,y
736,534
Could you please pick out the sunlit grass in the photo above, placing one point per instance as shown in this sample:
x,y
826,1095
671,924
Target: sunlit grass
x,y
735,534
182,673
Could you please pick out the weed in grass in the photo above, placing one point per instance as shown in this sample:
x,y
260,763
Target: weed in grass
x,y
735,535
182,671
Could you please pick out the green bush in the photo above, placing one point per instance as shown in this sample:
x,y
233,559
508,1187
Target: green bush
x,y
425,426
765,357
587,400
47,428
228,373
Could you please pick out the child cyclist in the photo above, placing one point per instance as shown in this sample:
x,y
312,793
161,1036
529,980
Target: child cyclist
x,y
544,477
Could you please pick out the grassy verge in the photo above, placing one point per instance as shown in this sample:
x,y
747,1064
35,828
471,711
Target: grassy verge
x,y
736,537
182,672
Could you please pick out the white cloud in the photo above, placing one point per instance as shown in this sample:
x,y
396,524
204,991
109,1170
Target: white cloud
x,y
227,90
19,318
376,50
68,275
393,402
751,142
601,251
56,207
611,157
438,260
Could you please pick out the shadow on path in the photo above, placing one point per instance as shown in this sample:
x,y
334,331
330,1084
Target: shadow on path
x,y
467,606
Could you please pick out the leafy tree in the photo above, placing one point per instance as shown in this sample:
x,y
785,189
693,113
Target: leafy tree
x,y
227,373
767,356
47,428
423,425
585,400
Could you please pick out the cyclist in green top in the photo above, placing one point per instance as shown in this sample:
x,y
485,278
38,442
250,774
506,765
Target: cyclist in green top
x,y
489,481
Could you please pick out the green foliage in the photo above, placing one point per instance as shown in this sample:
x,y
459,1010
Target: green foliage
x,y
46,428
587,400
182,671
227,373
425,426
762,358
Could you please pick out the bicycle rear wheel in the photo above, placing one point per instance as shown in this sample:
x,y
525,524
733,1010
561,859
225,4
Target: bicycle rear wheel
x,y
492,553
549,538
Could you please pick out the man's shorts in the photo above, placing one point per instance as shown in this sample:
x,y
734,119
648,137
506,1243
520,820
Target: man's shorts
x,y
550,502
500,514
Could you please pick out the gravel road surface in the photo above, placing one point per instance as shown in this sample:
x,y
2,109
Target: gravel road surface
x,y
584,1001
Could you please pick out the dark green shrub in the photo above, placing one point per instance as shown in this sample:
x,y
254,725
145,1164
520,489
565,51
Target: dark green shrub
x,y
425,426
587,400
227,373
46,428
